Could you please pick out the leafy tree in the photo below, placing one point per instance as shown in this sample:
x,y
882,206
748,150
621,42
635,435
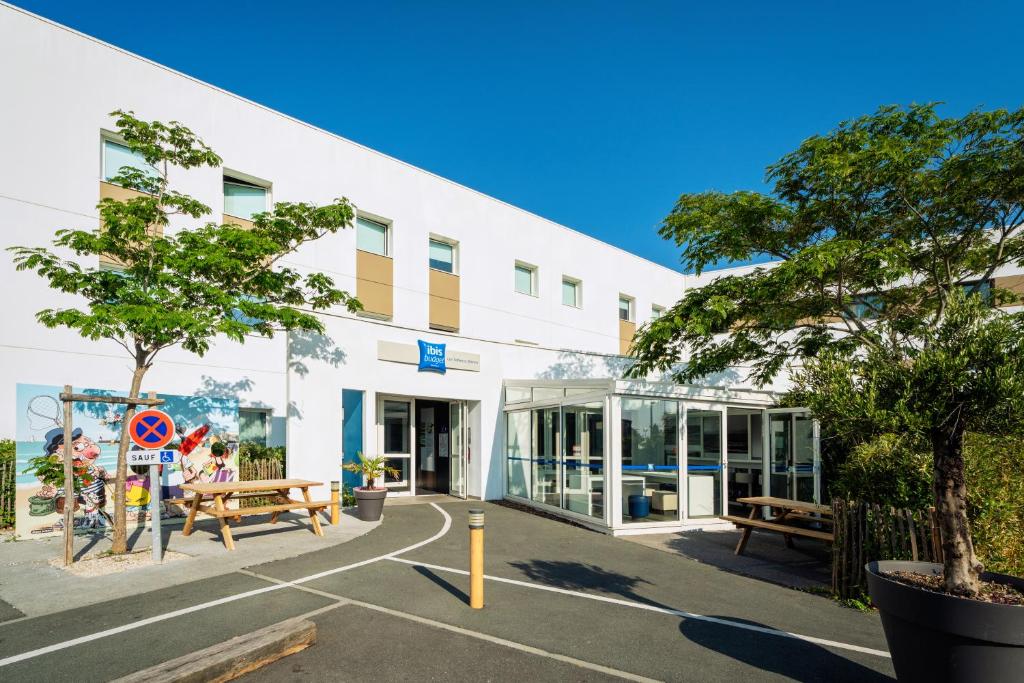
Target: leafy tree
x,y
184,288
877,227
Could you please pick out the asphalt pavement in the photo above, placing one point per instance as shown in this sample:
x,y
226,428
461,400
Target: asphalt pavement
x,y
562,603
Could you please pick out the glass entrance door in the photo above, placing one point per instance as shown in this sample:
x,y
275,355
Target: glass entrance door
x,y
792,453
457,472
395,438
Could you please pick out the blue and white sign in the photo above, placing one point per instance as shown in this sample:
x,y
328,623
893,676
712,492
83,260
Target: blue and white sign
x,y
154,457
432,356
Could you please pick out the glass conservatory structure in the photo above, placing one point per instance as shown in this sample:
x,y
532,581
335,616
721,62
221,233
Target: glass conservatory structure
x,y
628,456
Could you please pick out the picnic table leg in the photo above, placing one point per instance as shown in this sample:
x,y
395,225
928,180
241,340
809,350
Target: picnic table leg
x,y
197,499
781,519
312,512
745,534
225,528
282,497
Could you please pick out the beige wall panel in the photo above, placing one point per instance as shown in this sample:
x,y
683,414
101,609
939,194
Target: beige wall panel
x,y
122,194
240,222
444,300
626,331
374,283
1014,283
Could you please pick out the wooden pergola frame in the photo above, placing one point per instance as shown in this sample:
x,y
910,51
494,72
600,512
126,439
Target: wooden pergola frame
x,y
68,399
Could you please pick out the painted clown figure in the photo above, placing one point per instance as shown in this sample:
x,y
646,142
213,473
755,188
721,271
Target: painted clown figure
x,y
93,493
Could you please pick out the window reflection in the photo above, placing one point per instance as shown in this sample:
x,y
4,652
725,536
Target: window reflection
x,y
650,460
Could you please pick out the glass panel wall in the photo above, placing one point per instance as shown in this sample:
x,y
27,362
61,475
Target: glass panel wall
x,y
518,453
396,422
780,439
650,460
583,462
546,483
704,463
803,458
744,448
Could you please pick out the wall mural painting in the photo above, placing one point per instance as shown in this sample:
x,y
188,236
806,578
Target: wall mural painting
x,y
200,422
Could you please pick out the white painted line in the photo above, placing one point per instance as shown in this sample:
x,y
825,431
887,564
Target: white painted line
x,y
661,610
63,645
341,600
583,664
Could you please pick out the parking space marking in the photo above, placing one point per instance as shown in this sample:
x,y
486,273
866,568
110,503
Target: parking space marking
x,y
63,645
661,610
342,600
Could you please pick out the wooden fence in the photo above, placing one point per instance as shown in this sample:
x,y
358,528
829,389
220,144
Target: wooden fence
x,y
251,470
865,532
7,475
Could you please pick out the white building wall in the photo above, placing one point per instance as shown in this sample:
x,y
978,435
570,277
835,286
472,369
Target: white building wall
x,y
58,88
58,101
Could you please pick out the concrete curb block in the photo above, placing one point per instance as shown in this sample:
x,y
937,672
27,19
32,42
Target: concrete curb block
x,y
233,658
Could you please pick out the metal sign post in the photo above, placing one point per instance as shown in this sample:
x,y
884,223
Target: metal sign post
x,y
151,430
154,512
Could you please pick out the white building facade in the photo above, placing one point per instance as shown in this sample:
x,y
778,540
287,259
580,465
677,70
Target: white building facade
x,y
534,318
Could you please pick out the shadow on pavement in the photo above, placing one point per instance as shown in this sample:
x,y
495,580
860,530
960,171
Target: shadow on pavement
x,y
795,659
458,593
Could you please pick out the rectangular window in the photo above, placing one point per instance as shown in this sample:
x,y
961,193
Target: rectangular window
x,y
571,295
243,199
116,156
625,308
649,437
372,236
442,256
252,426
982,288
657,311
526,279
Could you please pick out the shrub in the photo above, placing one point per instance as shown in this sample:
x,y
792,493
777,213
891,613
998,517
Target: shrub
x,y
889,470
7,477
995,500
254,451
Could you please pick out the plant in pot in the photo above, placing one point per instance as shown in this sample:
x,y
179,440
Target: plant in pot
x,y
370,498
890,234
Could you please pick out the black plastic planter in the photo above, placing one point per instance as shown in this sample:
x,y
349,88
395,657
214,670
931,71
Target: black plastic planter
x,y
370,503
934,637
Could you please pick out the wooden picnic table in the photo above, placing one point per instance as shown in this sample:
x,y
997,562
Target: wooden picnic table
x,y
785,513
276,489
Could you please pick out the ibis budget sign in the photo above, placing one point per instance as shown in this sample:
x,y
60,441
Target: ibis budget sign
x,y
432,356
428,356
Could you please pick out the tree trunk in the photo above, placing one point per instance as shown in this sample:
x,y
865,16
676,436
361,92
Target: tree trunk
x,y
120,535
960,566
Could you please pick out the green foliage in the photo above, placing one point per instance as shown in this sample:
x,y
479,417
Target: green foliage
x,y
371,468
184,287
889,215
888,470
7,487
50,470
181,287
348,498
254,451
995,500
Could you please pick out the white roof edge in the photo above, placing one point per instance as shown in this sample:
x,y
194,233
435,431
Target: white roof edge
x,y
327,132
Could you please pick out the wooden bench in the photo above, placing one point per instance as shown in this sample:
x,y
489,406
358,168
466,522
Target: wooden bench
x,y
275,489
787,511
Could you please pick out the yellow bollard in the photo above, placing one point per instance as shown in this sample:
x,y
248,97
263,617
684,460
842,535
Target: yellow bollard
x,y
476,558
335,504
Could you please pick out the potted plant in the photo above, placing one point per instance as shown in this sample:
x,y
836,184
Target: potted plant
x,y
890,235
370,498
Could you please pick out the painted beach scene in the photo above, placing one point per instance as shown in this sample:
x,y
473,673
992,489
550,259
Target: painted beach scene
x,y
206,435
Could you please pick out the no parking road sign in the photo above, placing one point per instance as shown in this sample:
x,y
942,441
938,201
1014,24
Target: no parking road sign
x,y
151,429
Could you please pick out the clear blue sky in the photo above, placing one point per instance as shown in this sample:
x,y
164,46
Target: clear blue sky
x,y
594,114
